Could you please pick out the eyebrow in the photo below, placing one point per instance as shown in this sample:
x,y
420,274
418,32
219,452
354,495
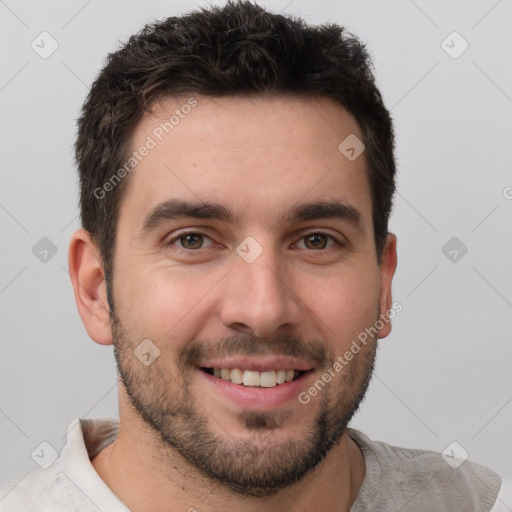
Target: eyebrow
x,y
173,209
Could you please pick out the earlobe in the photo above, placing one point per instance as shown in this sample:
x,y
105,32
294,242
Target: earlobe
x,y
88,280
386,273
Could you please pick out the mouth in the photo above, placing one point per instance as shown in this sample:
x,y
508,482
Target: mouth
x,y
253,378
258,383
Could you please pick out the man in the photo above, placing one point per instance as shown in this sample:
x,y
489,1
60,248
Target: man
x,y
237,177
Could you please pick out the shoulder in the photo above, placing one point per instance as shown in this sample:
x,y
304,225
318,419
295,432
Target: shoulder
x,y
69,483
38,490
410,477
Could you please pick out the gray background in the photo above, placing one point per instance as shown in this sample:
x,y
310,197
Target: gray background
x,y
444,373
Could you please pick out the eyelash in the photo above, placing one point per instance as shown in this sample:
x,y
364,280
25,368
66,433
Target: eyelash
x,y
185,233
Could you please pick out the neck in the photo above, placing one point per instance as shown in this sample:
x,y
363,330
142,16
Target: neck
x,y
143,483
147,475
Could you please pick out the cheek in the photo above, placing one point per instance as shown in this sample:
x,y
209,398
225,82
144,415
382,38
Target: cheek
x,y
346,302
165,302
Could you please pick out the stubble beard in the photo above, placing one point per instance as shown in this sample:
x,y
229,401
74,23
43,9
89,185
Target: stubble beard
x,y
258,465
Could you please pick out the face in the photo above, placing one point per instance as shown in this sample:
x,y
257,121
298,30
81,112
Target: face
x,y
245,254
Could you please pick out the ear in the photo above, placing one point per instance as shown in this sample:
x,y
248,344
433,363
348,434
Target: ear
x,y
88,280
386,273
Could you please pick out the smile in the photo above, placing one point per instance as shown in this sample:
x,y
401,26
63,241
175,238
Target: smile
x,y
251,378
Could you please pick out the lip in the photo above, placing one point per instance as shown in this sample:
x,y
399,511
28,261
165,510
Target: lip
x,y
256,398
258,364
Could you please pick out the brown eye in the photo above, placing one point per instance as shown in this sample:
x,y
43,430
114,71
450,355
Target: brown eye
x,y
316,240
191,240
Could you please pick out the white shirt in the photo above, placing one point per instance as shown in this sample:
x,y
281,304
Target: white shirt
x,y
70,483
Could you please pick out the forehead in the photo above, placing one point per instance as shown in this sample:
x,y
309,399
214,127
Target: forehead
x,y
258,155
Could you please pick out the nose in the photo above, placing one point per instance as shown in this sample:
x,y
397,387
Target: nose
x,y
258,297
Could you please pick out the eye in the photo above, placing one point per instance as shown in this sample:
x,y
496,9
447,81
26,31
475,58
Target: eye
x,y
193,241
190,240
318,240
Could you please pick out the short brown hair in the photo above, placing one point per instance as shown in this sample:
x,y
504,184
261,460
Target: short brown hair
x,y
238,49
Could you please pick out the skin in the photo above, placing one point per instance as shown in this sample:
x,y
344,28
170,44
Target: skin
x,y
260,157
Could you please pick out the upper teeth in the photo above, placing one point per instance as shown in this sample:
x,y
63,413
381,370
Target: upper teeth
x,y
268,379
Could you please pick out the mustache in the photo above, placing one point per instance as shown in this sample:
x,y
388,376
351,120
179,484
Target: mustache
x,y
244,345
